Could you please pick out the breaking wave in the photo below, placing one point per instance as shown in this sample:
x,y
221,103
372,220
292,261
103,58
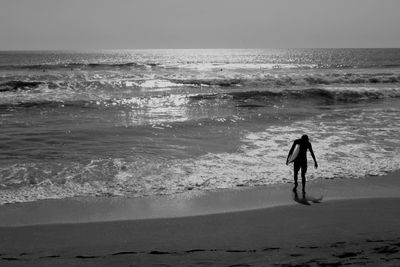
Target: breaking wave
x,y
80,66
270,80
255,81
194,66
337,94
19,85
331,93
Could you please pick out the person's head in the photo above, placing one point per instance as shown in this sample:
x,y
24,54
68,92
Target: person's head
x,y
304,138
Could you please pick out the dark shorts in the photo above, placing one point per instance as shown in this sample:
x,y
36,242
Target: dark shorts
x,y
300,165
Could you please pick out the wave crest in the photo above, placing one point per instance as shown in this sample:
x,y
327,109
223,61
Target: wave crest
x,y
332,93
290,80
80,66
19,85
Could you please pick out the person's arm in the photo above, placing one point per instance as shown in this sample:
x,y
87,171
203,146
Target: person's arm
x,y
290,152
313,156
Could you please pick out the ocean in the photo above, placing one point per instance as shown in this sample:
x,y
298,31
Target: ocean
x,y
152,122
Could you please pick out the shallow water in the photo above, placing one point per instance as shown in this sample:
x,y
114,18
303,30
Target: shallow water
x,y
137,123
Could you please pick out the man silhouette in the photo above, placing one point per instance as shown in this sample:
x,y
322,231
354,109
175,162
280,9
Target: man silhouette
x,y
300,161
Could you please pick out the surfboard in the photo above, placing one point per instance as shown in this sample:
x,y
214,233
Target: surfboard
x,y
294,154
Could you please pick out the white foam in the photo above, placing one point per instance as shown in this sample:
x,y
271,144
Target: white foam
x,y
343,149
244,66
159,84
347,143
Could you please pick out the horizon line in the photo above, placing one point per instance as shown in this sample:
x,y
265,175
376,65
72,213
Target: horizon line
x,y
121,49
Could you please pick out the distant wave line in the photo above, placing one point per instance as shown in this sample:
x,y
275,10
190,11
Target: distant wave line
x,y
192,65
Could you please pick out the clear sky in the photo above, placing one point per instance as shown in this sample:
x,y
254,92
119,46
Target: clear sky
x,y
113,24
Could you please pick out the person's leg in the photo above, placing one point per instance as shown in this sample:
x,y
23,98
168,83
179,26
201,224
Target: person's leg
x,y
303,176
296,168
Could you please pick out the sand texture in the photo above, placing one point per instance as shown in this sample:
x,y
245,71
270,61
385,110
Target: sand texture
x,y
332,233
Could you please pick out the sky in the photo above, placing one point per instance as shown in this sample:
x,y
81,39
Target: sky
x,y
141,24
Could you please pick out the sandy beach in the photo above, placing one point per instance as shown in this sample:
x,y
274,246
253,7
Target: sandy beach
x,y
199,133
350,229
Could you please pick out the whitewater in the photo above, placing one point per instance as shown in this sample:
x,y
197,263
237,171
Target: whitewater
x,y
136,123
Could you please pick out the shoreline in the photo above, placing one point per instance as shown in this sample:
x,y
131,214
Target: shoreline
x,y
356,224
193,203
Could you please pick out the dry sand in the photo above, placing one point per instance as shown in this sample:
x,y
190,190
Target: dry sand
x,y
347,231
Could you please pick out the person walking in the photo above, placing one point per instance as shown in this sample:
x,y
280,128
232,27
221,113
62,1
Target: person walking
x,y
300,162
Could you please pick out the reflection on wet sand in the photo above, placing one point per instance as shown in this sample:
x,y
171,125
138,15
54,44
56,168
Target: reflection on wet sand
x,y
305,199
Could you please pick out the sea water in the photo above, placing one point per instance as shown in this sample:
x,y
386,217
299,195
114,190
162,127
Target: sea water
x,y
148,122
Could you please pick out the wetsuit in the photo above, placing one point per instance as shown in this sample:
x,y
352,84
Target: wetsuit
x,y
301,160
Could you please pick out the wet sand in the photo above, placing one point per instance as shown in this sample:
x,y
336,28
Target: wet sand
x,y
192,203
353,230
